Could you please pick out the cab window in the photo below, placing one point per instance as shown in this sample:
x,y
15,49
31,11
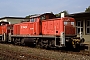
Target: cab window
x,y
42,17
32,20
66,23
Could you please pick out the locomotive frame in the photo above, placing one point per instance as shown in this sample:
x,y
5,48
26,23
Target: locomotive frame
x,y
42,40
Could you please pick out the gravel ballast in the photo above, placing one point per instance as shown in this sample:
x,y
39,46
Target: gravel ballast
x,y
52,55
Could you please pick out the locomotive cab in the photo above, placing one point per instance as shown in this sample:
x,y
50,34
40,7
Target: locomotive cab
x,y
71,38
69,27
67,31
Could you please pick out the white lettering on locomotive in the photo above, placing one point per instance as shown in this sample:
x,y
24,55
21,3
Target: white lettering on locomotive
x,y
31,28
23,26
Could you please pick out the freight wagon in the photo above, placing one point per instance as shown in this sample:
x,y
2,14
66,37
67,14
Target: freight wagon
x,y
45,31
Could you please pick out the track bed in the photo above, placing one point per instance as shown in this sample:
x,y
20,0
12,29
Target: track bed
x,y
9,52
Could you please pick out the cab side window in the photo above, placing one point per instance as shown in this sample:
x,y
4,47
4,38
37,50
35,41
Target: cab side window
x,y
42,17
32,20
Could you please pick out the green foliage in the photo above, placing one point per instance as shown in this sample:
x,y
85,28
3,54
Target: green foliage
x,y
59,14
87,9
28,16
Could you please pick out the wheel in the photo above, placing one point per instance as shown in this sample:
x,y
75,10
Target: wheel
x,y
77,48
15,42
23,42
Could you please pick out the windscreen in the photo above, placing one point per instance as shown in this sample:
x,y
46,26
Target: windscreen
x,y
69,28
68,23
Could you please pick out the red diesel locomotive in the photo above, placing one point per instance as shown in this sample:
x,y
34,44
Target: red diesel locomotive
x,y
45,31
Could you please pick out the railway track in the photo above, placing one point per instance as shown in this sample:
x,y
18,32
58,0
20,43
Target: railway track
x,y
13,55
85,53
81,52
18,56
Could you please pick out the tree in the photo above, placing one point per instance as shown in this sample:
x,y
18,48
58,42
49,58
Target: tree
x,y
87,9
28,16
59,14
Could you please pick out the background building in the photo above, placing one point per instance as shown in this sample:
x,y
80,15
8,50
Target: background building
x,y
83,21
13,20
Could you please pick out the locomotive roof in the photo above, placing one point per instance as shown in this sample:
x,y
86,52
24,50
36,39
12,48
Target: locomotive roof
x,y
38,15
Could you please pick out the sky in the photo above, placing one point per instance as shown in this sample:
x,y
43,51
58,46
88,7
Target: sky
x,y
22,8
